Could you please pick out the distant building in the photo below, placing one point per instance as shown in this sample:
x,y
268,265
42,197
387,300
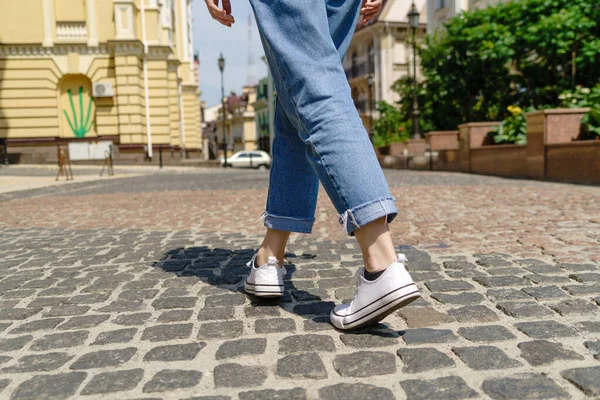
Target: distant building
x,y
98,70
262,114
380,54
440,11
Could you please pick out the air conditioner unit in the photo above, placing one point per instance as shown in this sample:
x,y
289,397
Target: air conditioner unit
x,y
103,89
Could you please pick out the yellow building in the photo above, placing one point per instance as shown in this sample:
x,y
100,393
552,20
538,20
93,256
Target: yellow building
x,y
86,71
440,11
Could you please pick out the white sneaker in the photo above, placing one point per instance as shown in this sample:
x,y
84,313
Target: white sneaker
x,y
266,280
375,300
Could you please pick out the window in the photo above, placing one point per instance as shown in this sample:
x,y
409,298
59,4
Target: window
x,y
440,4
243,155
371,58
256,155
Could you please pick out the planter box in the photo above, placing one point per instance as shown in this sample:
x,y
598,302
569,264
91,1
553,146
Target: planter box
x,y
416,147
398,149
546,127
442,140
574,162
502,160
473,135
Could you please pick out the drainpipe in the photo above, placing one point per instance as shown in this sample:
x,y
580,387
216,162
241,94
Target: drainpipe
x,y
181,115
145,62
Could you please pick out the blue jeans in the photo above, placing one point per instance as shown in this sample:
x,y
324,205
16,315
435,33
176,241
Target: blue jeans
x,y
319,135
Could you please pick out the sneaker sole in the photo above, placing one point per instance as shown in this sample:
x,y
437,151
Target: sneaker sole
x,y
382,308
264,290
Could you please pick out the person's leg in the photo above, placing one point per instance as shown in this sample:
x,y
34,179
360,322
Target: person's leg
x,y
293,189
314,92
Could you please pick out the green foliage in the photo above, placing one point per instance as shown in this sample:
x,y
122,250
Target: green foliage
x,y
405,88
513,129
585,97
523,53
390,127
82,126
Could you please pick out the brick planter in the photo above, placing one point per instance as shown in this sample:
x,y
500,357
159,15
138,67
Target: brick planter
x,y
548,127
398,149
473,135
442,140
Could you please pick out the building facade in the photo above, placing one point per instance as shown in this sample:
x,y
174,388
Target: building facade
x,y
440,11
380,54
118,71
263,110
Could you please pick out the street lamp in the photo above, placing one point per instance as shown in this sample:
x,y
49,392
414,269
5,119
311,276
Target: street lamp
x,y
222,68
413,21
370,82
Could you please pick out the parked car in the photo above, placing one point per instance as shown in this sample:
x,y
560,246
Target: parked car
x,y
248,159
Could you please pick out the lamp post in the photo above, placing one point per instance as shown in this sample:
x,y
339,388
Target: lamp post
x,y
222,68
370,82
413,21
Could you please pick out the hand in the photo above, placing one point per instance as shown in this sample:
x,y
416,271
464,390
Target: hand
x,y
369,9
222,15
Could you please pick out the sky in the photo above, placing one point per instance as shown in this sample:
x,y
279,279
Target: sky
x,y
212,38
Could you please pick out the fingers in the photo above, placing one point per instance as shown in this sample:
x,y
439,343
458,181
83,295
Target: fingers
x,y
369,10
222,15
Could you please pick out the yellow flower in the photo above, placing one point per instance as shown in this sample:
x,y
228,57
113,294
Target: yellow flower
x,y
514,110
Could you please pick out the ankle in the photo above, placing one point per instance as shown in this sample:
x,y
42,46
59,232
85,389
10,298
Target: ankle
x,y
378,262
264,253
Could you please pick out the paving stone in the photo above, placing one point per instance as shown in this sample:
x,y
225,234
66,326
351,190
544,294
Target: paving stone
x,y
575,267
545,329
60,341
46,302
465,273
172,379
318,324
365,363
582,290
355,391
428,335
117,381
458,265
541,352
59,386
585,379
175,352
544,269
104,358
262,311
221,330
39,325
13,344
448,285
119,306
274,325
486,333
84,322
208,398
4,360
236,375
424,276
594,348
168,303
589,326
523,386
91,298
574,307
270,394
16,314
496,295
309,342
505,271
583,277
133,319
478,313
305,365
424,359
116,336
215,313
319,308
39,362
523,309
450,387
4,383
175,316
501,281
138,294
241,347
493,262
4,326
229,299
310,294
166,332
465,298
547,279
544,292
66,310
423,317
369,338
422,266
485,357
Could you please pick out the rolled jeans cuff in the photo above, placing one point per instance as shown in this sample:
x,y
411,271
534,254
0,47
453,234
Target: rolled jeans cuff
x,y
368,212
288,224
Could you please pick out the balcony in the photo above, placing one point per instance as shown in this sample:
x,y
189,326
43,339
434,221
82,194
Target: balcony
x,y
71,32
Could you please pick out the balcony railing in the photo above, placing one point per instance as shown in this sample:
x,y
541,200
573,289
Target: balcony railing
x,y
71,31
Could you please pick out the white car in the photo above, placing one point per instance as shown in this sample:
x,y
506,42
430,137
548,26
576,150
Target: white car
x,y
248,159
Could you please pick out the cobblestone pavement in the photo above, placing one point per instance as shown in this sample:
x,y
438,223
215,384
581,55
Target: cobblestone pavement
x,y
130,289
